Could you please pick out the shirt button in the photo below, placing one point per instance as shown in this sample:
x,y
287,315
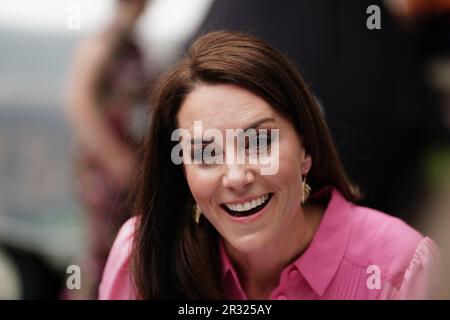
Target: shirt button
x,y
294,274
281,297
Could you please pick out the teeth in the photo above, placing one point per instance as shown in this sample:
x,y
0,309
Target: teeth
x,y
259,201
247,205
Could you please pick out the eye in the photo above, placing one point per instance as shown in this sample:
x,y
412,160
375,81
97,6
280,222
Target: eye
x,y
209,153
259,141
197,154
206,155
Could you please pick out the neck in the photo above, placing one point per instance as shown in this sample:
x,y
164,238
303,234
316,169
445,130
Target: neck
x,y
258,274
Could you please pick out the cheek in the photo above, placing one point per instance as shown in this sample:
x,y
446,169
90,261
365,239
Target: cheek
x,y
288,178
288,175
290,163
201,183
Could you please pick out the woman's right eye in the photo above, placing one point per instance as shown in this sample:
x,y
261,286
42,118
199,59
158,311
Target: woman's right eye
x,y
197,154
205,155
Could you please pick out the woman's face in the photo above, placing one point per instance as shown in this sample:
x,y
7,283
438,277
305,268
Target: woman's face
x,y
249,209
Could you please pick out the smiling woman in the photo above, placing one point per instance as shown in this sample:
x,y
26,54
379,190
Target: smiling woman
x,y
211,230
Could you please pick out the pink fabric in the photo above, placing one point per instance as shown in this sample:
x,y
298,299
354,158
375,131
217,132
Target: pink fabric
x,y
116,282
349,244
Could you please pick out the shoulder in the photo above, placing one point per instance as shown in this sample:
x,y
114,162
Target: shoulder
x,y
117,277
422,279
382,240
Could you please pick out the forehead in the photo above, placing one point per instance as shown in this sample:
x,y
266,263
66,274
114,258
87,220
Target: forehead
x,y
222,106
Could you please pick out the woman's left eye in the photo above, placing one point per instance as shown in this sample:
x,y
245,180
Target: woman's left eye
x,y
259,141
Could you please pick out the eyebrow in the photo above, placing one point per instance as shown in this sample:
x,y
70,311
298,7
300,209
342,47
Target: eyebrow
x,y
259,122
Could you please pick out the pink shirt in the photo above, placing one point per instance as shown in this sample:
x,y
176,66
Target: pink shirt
x,y
356,253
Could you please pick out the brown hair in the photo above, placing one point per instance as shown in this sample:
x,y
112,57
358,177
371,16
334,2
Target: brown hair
x,y
174,258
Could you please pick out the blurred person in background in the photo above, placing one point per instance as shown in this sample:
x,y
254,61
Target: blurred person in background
x,y
104,93
414,8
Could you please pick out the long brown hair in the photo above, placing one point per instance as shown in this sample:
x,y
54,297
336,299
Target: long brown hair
x,y
174,258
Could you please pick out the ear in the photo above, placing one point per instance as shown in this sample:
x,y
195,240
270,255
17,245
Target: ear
x,y
306,163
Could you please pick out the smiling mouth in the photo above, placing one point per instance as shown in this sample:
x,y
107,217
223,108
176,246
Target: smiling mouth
x,y
238,210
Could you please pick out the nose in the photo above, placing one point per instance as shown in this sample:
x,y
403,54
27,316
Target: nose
x,y
237,177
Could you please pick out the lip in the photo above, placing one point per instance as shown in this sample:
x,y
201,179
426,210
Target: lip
x,y
253,217
247,199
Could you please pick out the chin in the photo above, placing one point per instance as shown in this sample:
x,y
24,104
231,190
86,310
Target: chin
x,y
249,243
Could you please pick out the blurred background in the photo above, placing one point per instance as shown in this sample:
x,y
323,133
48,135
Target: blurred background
x,y
74,79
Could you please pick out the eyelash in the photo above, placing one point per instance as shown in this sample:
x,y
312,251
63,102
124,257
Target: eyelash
x,y
198,154
260,138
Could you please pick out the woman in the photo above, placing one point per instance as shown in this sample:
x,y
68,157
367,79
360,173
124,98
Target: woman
x,y
223,229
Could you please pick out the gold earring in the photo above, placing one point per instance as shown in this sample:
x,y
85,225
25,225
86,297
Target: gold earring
x,y
306,190
197,213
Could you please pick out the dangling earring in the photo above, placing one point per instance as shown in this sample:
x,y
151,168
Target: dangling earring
x,y
306,190
197,213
